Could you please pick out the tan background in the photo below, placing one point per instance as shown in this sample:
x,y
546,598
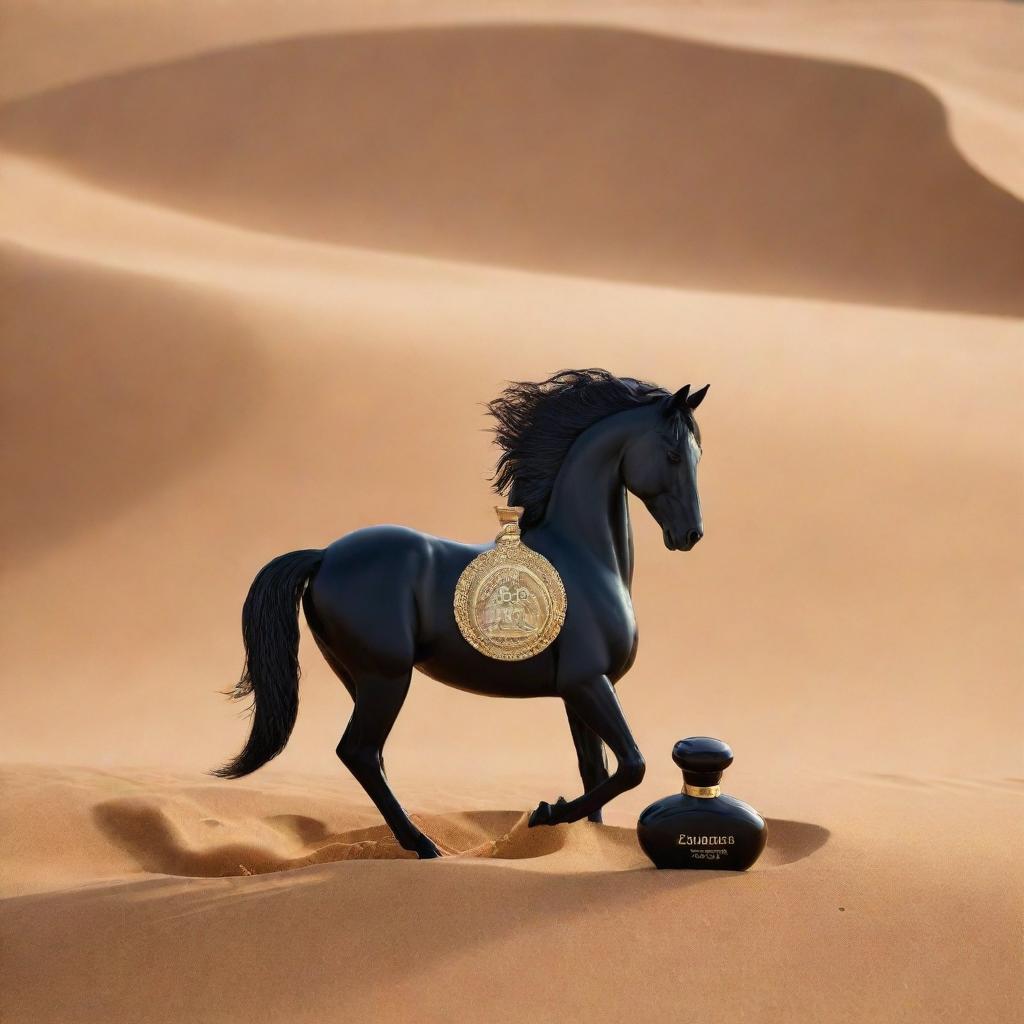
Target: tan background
x,y
260,268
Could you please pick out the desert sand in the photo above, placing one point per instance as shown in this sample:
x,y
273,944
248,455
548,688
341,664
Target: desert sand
x,y
261,265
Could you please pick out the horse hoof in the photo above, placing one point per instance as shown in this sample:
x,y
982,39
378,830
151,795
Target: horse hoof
x,y
546,814
426,850
542,815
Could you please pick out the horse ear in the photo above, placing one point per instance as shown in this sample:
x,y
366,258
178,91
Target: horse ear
x,y
678,401
697,397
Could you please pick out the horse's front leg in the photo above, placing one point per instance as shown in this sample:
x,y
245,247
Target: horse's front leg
x,y
593,764
595,705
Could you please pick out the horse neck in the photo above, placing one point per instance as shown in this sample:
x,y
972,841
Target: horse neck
x,y
588,506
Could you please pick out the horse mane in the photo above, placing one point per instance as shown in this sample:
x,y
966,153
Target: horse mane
x,y
538,422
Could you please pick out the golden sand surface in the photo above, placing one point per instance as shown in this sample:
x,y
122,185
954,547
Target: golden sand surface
x,y
260,265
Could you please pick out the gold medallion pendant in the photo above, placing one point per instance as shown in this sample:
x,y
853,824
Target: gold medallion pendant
x,y
510,601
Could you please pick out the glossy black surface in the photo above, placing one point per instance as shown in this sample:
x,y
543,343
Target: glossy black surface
x,y
379,601
719,833
702,759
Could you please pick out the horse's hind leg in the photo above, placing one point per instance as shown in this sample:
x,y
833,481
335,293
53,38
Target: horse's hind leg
x,y
378,701
590,754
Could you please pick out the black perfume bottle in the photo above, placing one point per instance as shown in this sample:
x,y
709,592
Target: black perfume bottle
x,y
699,827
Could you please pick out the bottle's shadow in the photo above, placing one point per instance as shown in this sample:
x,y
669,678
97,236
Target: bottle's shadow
x,y
161,845
790,841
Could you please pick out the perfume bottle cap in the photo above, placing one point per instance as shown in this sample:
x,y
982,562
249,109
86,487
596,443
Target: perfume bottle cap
x,y
702,759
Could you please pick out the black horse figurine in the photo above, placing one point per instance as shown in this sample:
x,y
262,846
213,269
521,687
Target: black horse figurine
x,y
379,601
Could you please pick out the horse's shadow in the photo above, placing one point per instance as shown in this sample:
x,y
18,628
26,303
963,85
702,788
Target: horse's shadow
x,y
158,845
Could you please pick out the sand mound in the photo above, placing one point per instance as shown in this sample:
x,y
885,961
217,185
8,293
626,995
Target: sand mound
x,y
582,150
181,826
158,837
148,833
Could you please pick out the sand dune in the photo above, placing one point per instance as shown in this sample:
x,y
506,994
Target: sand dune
x,y
258,268
143,822
119,384
969,59
662,160
795,557
575,916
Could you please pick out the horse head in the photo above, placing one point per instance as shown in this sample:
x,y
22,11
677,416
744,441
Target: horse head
x,y
660,468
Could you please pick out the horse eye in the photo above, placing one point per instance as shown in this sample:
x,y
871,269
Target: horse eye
x,y
674,456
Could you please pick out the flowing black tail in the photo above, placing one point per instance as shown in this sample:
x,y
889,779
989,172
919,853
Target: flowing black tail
x,y
270,632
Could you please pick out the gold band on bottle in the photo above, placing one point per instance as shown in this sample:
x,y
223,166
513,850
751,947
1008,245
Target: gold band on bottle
x,y
704,792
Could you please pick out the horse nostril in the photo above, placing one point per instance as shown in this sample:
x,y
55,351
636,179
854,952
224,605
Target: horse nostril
x,y
693,536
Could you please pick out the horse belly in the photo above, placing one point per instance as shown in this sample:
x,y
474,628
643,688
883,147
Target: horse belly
x,y
458,665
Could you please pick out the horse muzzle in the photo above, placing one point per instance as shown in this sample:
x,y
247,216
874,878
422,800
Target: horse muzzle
x,y
680,541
